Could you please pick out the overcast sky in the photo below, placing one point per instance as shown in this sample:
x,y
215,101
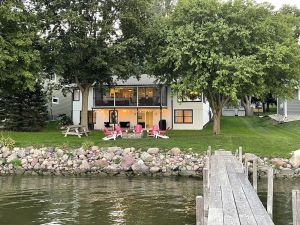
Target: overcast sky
x,y
279,3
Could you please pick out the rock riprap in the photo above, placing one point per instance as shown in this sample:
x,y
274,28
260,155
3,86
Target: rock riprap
x,y
129,161
96,160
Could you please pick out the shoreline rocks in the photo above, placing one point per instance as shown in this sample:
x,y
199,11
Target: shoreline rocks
x,y
127,161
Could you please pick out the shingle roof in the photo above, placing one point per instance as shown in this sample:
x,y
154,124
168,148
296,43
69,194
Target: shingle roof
x,y
144,79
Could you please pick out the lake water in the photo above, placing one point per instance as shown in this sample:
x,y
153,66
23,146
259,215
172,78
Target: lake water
x,y
115,200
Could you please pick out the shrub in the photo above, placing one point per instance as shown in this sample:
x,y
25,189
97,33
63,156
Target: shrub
x,y
65,146
7,141
87,145
16,162
64,120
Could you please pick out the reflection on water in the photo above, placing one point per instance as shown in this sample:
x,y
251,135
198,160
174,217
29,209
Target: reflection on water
x,y
98,200
282,211
116,200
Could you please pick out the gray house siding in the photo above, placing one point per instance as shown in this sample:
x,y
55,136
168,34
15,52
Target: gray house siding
x,y
293,105
63,106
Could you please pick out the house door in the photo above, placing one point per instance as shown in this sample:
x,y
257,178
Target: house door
x,y
149,119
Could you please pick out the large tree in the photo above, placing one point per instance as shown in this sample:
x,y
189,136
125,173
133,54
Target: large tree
x,y
87,42
19,58
225,49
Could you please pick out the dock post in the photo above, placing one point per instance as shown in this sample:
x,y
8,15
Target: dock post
x,y
246,168
296,207
205,188
241,154
270,192
209,151
254,175
236,153
199,210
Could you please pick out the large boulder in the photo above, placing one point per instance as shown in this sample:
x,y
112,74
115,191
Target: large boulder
x,y
145,156
153,151
85,166
175,152
139,166
101,163
154,169
277,162
127,161
295,159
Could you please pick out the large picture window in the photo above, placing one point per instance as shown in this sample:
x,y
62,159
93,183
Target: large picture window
x,y
183,116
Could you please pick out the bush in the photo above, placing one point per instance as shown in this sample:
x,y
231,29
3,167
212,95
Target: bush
x,y
7,142
16,162
87,145
64,120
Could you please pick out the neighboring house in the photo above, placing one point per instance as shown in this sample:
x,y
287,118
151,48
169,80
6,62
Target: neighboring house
x,y
58,103
142,102
289,109
233,110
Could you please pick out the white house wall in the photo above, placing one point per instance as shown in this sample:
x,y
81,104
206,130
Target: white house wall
x,y
198,115
77,106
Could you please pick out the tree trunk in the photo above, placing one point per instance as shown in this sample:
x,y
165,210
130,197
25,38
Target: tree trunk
x,y
84,108
217,121
246,102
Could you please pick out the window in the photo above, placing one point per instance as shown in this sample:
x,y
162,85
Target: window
x,y
52,77
55,100
183,116
192,96
76,95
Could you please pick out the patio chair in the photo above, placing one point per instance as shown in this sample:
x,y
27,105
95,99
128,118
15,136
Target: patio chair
x,y
109,135
112,136
118,130
154,129
138,129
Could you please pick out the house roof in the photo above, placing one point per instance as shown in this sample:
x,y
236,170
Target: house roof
x,y
144,79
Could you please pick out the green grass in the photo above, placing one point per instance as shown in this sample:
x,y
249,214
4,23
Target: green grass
x,y
261,136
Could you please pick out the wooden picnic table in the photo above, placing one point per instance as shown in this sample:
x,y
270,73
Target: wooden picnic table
x,y
76,130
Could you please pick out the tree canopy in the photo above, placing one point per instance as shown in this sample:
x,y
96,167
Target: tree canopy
x,y
19,57
225,50
88,42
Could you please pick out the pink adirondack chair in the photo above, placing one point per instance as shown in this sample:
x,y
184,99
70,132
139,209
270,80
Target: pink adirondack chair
x,y
109,135
118,130
153,131
138,129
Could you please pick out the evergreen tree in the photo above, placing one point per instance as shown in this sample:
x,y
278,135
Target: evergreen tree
x,y
24,111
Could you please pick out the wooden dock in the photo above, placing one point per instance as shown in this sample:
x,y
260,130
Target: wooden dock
x,y
231,199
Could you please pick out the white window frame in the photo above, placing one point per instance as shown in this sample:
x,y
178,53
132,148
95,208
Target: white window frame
x,y
55,102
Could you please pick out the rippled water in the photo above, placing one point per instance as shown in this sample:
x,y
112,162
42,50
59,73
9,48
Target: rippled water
x,y
115,200
97,200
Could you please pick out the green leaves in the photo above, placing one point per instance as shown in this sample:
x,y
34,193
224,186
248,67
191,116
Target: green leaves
x,y
19,58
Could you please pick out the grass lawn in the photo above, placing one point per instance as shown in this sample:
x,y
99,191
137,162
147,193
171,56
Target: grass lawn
x,y
257,135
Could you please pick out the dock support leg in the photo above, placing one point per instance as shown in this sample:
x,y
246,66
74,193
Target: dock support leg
x,y
199,210
246,168
205,188
241,154
296,207
255,174
270,192
209,151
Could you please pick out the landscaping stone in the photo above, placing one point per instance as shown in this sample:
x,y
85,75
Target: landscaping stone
x,y
295,159
174,152
153,151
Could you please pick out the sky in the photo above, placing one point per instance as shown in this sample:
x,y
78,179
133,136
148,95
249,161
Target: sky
x,y
279,3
